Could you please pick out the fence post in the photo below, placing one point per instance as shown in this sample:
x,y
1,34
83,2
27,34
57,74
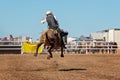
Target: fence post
x,y
86,48
21,43
108,48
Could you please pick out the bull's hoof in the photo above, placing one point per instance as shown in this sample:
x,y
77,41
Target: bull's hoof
x,y
62,55
35,55
48,57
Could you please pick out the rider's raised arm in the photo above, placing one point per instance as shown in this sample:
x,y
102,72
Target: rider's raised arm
x,y
43,20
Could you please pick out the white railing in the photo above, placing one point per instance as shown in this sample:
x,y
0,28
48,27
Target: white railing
x,y
89,48
17,45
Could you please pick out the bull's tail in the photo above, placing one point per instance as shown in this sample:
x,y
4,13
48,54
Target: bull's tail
x,y
48,39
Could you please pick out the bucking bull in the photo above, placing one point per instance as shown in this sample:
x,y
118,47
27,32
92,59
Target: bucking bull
x,y
51,39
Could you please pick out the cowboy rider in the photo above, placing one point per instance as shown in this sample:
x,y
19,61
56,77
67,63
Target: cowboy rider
x,y
53,24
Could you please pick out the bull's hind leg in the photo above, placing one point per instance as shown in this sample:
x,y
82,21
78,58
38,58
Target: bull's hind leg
x,y
49,50
38,45
62,55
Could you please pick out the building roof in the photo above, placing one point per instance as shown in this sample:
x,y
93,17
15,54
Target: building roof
x,y
83,38
106,30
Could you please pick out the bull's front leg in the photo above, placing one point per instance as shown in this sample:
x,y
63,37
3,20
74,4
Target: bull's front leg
x,y
62,55
38,45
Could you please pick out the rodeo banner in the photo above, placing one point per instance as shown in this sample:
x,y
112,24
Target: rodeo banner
x,y
30,48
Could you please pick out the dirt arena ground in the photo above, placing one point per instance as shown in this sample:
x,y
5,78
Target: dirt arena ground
x,y
71,67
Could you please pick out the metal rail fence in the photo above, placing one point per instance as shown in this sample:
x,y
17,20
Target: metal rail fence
x,y
16,47
11,47
86,48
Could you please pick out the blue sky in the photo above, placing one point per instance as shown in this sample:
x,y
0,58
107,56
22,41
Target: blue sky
x,y
78,17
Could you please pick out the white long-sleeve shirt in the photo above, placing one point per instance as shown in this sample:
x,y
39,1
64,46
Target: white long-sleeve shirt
x,y
44,20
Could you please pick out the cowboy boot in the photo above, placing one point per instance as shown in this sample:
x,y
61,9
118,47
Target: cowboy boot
x,y
65,33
